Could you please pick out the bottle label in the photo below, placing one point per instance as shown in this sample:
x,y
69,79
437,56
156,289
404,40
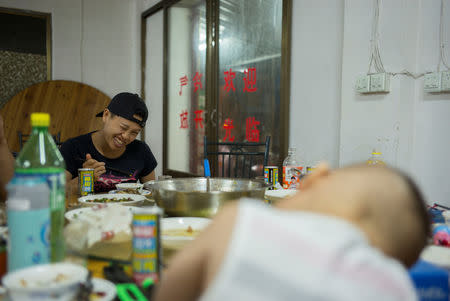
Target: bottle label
x,y
56,181
28,238
291,176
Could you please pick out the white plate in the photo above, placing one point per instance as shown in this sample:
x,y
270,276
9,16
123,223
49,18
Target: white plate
x,y
182,223
80,213
135,199
104,286
42,282
276,195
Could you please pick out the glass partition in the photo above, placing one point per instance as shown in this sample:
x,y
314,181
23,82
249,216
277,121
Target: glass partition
x,y
249,72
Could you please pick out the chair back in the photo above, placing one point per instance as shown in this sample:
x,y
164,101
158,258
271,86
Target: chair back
x,y
237,159
24,138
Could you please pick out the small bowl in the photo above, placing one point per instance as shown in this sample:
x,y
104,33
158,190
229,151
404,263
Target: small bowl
x,y
58,281
130,187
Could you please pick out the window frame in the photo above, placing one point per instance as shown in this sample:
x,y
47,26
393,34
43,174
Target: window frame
x,y
211,76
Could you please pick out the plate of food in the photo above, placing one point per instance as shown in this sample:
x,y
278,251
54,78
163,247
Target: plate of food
x,y
86,212
107,198
177,231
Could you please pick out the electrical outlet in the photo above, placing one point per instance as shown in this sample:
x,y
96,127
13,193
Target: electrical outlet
x,y
379,82
445,81
432,82
362,84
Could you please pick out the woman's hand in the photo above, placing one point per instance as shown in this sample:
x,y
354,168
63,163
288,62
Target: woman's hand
x,y
99,167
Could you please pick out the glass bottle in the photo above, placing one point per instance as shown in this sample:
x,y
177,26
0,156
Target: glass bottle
x,y
40,157
292,171
28,222
376,158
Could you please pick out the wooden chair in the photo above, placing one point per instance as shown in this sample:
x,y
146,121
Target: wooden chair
x,y
237,159
24,137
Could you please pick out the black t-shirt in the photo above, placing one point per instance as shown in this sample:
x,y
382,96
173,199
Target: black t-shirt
x,y
137,161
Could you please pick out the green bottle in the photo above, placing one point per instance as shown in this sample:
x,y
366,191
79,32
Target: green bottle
x,y
40,157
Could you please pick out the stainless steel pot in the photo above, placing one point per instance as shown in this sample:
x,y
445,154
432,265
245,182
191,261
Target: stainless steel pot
x,y
201,197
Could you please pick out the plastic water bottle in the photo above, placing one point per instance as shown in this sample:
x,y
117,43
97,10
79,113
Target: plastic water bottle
x,y
28,222
41,158
292,171
376,158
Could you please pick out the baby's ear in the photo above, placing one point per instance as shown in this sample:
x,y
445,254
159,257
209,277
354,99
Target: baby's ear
x,y
322,170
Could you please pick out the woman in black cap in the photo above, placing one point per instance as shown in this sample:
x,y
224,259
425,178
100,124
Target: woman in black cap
x,y
113,152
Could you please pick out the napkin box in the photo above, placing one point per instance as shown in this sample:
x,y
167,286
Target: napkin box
x,y
431,282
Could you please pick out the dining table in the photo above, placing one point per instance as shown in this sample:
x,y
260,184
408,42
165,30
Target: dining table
x,y
118,272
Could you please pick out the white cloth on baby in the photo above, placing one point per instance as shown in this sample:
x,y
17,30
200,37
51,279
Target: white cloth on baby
x,y
281,255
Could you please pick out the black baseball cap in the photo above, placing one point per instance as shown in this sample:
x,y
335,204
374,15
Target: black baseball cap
x,y
126,105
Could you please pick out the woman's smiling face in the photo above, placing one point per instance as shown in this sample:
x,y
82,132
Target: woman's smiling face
x,y
118,131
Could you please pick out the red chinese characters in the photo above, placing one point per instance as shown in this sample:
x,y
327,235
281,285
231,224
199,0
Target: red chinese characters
x,y
251,130
198,118
184,120
197,81
229,76
228,126
250,80
183,82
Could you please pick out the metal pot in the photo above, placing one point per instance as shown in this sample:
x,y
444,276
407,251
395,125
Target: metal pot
x,y
201,197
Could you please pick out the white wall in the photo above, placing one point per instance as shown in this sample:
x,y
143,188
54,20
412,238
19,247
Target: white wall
x,y
431,145
317,32
388,117
94,41
413,125
154,87
178,144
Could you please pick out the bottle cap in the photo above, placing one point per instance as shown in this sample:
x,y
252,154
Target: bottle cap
x,y
40,119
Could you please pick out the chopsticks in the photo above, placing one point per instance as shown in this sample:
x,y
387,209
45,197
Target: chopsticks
x,y
124,172
119,171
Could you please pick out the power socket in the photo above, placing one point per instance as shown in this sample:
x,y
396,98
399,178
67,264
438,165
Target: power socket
x,y
380,82
445,81
363,84
432,82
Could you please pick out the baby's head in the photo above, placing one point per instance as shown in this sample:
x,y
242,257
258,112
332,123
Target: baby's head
x,y
383,202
